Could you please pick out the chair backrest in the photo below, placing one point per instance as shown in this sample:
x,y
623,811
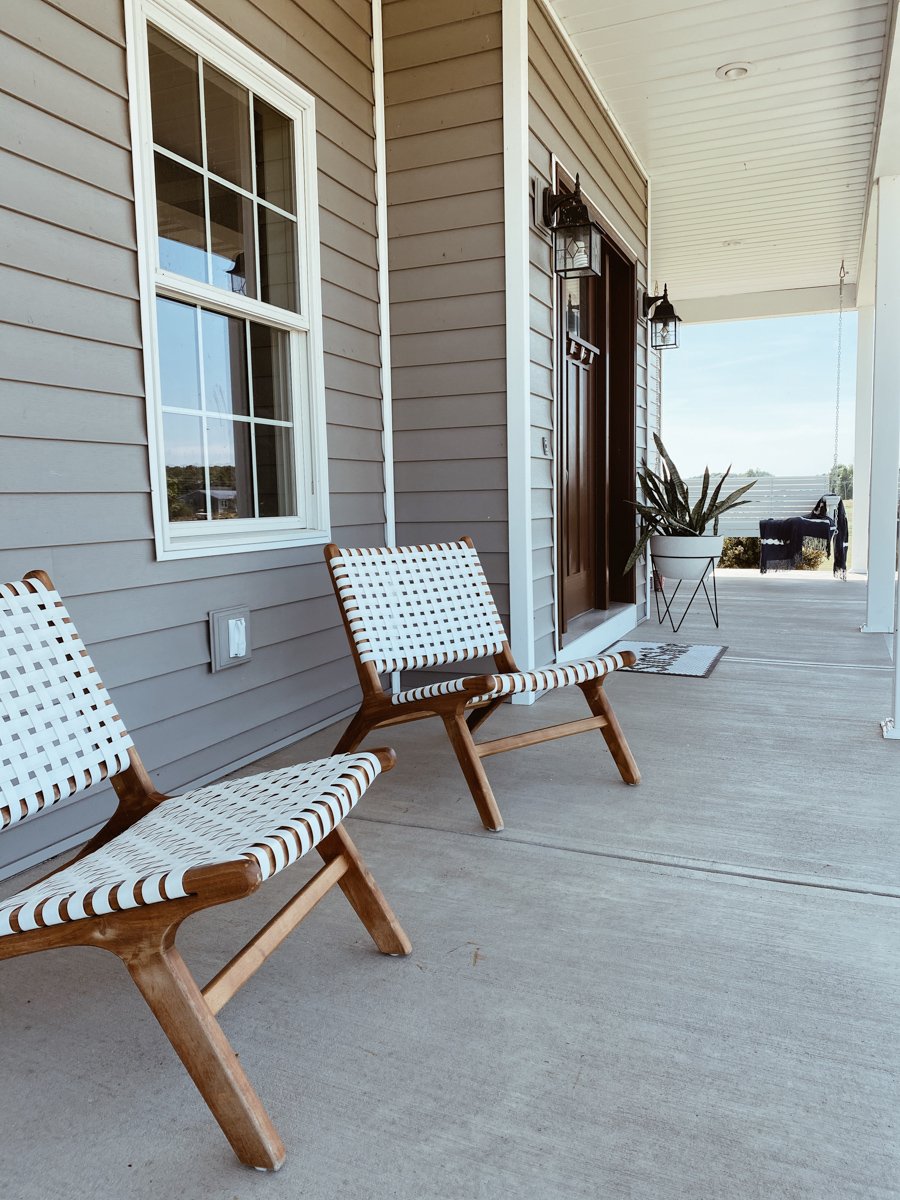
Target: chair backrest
x,y
59,732
417,606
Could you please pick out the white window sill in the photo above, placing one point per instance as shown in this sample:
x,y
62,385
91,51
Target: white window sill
x,y
176,548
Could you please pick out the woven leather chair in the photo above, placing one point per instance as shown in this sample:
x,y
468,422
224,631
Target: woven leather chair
x,y
415,607
159,859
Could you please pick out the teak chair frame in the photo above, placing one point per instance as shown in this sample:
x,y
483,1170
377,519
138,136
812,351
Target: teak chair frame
x,y
144,939
462,719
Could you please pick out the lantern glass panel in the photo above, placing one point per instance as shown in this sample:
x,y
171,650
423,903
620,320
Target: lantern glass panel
x,y
664,333
577,250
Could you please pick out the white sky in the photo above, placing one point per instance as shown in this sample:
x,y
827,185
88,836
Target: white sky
x,y
759,394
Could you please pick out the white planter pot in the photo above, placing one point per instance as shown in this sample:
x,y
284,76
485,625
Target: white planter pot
x,y
684,557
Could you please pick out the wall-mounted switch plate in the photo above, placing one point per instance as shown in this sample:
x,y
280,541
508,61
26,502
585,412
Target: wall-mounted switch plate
x,y
229,637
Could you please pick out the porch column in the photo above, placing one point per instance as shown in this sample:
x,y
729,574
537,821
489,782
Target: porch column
x,y
862,454
885,465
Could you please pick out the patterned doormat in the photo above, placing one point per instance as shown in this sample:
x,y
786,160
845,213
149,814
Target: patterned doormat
x,y
672,658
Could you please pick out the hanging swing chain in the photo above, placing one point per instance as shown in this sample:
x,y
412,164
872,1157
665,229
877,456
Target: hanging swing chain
x,y
837,400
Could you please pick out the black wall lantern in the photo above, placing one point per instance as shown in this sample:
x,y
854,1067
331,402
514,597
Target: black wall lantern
x,y
664,320
576,238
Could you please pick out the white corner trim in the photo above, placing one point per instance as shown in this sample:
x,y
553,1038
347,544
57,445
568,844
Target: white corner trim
x,y
384,295
516,200
579,64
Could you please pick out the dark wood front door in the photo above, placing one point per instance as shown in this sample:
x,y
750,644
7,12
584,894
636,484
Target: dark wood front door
x,y
596,423
579,476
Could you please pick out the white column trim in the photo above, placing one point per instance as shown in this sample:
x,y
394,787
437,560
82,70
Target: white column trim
x,y
384,295
518,329
862,454
880,591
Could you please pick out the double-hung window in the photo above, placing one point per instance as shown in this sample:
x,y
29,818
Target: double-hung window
x,y
226,176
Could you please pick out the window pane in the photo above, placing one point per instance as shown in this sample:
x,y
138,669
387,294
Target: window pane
x,y
278,259
274,155
225,364
185,480
174,96
227,108
179,214
231,231
275,471
179,357
230,468
271,373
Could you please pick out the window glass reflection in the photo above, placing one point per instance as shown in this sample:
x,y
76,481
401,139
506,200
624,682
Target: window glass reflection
x,y
272,135
275,471
231,233
227,109
185,478
225,364
278,259
179,358
174,96
230,469
180,219
270,372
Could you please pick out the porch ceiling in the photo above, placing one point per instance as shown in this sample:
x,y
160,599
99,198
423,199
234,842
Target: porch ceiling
x,y
759,185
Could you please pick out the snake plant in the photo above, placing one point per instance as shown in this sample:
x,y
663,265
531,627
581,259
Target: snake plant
x,y
666,507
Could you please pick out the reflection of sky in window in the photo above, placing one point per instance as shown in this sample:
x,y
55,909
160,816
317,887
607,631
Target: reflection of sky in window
x,y
183,440
225,364
178,357
220,440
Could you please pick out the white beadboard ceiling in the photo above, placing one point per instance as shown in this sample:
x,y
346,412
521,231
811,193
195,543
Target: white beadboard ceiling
x,y
758,185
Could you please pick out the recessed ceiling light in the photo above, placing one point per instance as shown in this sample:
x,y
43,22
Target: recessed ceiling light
x,y
735,70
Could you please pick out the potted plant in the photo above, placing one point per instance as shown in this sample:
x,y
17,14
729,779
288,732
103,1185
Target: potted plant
x,y
677,530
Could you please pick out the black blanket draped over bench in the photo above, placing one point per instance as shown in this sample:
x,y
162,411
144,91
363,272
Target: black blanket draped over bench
x,y
781,541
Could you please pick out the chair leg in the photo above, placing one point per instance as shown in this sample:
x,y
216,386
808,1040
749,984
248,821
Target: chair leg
x,y
364,894
353,735
599,704
178,1005
464,747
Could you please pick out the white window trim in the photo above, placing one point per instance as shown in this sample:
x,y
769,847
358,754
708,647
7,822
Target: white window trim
x,y
186,24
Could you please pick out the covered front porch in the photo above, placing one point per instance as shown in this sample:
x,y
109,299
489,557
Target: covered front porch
x,y
683,990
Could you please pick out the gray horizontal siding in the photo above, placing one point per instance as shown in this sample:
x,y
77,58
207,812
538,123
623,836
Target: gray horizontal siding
x,y
75,490
443,120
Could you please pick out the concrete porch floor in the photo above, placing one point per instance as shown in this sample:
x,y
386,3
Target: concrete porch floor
x,y
684,991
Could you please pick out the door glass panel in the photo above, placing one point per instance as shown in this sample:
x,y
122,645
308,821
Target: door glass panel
x,y
231,233
180,218
225,364
174,96
230,469
269,365
227,108
185,480
274,155
179,360
278,259
275,471
572,304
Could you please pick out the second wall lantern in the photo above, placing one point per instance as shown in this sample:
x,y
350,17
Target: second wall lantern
x,y
664,320
576,238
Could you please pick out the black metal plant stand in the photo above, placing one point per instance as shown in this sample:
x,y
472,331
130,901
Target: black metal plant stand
x,y
713,602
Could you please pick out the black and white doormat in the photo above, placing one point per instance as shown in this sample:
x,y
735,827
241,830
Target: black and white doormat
x,y
671,658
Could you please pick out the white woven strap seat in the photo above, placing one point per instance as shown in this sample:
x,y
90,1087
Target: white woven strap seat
x,y
273,818
520,682
417,606
60,732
